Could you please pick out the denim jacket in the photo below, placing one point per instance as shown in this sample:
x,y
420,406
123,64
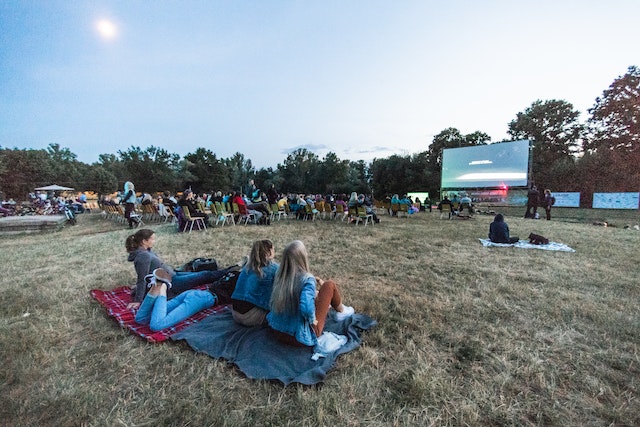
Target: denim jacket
x,y
299,323
254,289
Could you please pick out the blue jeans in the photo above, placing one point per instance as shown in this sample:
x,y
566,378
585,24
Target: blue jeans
x,y
185,280
160,313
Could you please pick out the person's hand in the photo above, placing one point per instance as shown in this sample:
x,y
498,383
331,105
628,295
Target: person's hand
x,y
133,306
319,281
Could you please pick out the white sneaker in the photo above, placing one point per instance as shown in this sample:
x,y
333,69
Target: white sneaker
x,y
345,313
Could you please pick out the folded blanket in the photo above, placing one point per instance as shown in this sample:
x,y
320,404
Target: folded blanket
x,y
116,300
524,244
260,356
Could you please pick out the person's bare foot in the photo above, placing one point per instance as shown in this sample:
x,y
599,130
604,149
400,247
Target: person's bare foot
x,y
158,289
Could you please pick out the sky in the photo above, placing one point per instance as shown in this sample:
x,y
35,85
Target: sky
x,y
362,79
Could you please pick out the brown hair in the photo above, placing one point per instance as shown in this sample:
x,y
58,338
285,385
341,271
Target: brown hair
x,y
258,258
134,241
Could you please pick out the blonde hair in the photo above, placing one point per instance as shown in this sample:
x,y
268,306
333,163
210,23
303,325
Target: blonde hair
x,y
258,258
291,274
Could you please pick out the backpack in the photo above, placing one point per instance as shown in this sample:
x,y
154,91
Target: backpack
x,y
199,264
224,286
553,200
537,239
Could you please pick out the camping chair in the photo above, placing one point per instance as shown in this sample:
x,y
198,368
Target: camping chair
x,y
310,212
445,209
243,214
403,210
395,207
189,220
340,213
327,211
352,213
363,216
275,211
223,215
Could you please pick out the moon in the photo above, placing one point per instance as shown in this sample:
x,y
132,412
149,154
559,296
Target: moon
x,y
106,29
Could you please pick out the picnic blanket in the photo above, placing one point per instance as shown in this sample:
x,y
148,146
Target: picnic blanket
x,y
260,356
524,244
116,300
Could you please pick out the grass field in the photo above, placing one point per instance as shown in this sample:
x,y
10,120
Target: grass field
x,y
466,336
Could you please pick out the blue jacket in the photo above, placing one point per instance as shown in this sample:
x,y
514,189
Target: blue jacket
x,y
254,289
299,323
499,232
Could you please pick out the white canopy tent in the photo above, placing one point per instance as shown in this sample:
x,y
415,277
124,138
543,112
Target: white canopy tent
x,y
54,187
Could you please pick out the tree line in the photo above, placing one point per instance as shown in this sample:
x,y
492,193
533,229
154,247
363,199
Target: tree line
x,y
599,155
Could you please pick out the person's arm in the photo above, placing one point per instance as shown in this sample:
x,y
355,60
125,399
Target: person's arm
x,y
308,301
142,264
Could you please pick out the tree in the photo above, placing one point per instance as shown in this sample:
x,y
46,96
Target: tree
x,y
333,175
153,169
448,138
556,133
297,171
240,171
209,173
100,180
615,117
23,171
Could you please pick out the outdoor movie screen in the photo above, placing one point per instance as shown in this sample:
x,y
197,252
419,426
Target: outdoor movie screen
x,y
498,165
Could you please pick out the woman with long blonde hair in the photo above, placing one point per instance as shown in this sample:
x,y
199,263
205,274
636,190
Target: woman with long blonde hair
x,y
299,310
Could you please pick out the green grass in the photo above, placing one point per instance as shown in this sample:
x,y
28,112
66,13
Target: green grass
x,y
467,335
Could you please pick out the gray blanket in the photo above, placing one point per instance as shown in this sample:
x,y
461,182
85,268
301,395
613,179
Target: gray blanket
x,y
257,353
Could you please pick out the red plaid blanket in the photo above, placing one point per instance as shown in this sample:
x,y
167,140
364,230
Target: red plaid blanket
x,y
116,300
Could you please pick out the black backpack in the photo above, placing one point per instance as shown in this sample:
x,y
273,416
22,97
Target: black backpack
x,y
224,286
199,264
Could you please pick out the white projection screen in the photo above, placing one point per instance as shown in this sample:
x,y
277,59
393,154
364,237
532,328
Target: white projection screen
x,y
498,165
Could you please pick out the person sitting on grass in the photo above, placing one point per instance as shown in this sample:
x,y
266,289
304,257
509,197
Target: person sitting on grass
x,y
160,313
139,246
251,296
298,311
499,231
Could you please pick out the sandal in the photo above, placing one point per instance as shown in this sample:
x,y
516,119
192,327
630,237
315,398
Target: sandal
x,y
163,276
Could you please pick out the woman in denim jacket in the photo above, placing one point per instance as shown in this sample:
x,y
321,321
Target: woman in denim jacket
x,y
251,296
299,311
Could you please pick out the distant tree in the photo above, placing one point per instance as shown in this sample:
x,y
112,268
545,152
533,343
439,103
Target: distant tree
x,y
333,174
209,173
240,171
100,180
615,117
556,133
298,170
448,138
358,178
151,170
24,170
64,168
390,175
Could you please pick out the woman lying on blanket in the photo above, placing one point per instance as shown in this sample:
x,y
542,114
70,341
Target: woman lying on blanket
x,y
145,261
159,313
299,311
251,296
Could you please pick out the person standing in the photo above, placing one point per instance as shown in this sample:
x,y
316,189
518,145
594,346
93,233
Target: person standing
x,y
129,200
547,201
532,202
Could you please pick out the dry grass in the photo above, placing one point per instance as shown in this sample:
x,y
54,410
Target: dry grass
x,y
467,335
